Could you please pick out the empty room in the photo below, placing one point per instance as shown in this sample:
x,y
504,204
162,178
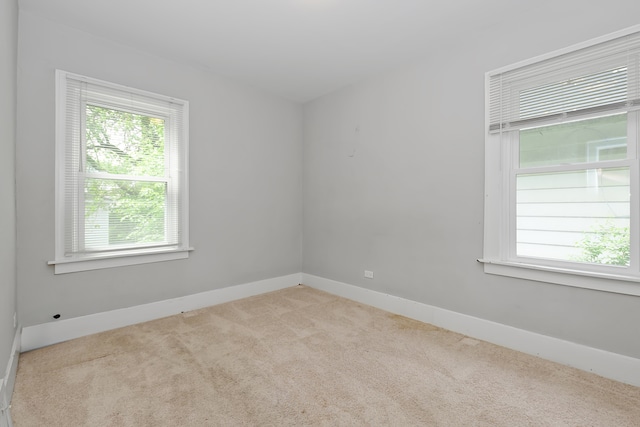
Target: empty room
x,y
319,212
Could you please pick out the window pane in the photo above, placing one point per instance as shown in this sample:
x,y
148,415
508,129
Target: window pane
x,y
118,142
124,212
578,216
592,140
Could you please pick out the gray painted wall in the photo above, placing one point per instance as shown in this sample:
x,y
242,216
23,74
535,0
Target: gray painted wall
x,y
382,159
394,183
245,178
8,70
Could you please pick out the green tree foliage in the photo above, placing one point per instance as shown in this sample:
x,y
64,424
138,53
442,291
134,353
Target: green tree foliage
x,y
119,146
607,244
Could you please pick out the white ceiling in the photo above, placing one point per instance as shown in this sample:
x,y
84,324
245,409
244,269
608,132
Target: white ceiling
x,y
299,49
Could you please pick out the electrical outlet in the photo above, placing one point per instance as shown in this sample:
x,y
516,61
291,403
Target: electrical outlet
x,y
15,319
368,274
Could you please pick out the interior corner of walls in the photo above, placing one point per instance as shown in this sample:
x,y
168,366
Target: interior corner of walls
x,y
49,333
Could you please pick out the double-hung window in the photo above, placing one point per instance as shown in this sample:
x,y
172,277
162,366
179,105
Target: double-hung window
x,y
562,180
121,175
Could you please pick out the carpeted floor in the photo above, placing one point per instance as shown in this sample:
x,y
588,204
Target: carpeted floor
x,y
303,357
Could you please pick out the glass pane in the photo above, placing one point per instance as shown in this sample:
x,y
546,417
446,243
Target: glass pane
x,y
124,212
118,142
592,140
578,216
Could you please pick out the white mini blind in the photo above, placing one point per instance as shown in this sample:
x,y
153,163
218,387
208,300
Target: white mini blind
x,y
156,193
604,77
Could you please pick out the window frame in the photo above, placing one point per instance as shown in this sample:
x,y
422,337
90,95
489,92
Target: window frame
x,y
176,178
501,169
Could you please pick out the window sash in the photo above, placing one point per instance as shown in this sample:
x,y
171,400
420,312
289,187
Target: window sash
x,y
511,162
84,248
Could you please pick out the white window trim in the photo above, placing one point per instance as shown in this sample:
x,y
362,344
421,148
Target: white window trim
x,y
76,263
496,239
118,260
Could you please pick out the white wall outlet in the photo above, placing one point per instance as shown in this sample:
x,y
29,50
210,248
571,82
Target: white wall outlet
x,y
368,274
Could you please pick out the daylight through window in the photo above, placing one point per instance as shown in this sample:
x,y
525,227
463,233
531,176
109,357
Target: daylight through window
x,y
121,164
562,162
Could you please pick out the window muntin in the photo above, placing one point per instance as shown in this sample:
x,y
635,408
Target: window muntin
x,y
121,173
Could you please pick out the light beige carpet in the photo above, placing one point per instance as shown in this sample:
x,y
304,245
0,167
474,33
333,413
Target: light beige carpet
x,y
303,357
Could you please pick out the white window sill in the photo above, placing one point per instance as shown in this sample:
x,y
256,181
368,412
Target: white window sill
x,y
85,263
620,284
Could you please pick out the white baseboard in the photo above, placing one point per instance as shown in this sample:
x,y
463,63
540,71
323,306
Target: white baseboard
x,y
8,381
607,364
58,331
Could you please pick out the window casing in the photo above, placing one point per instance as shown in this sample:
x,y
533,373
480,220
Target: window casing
x,y
121,175
561,170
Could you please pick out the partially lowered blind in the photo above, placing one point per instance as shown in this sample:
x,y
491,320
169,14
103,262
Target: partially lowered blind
x,y
124,171
604,77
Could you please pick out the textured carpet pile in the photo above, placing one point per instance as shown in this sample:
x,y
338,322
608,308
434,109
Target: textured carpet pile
x,y
304,357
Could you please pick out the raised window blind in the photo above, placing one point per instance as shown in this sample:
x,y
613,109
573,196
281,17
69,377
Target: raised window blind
x,y
601,78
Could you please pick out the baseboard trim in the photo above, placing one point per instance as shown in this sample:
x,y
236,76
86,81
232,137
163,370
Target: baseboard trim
x,y
606,364
9,380
45,334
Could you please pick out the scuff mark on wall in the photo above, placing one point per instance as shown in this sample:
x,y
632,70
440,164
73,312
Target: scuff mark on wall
x,y
355,143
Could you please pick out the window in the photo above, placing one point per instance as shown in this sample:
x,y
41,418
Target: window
x,y
562,179
121,175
